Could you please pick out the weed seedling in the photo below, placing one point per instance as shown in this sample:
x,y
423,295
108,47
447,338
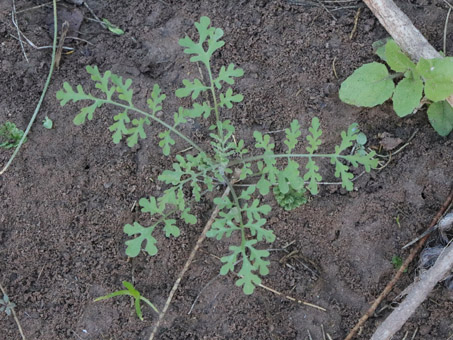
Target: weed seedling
x,y
47,123
131,291
6,305
292,199
10,135
112,28
397,262
202,171
371,85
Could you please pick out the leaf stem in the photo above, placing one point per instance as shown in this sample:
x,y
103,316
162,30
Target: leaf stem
x,y
161,122
216,106
284,155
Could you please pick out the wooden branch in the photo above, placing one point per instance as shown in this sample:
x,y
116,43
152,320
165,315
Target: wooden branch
x,y
400,27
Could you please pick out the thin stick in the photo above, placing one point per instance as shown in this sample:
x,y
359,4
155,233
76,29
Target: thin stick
x,y
356,20
43,94
14,19
400,271
47,47
64,31
417,294
35,7
188,262
96,18
201,291
302,302
333,67
445,31
14,315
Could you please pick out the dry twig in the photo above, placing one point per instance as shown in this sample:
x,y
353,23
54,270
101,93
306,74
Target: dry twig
x,y
417,294
14,20
400,271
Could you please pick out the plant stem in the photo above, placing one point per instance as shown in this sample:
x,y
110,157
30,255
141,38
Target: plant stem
x,y
214,98
171,128
303,155
44,91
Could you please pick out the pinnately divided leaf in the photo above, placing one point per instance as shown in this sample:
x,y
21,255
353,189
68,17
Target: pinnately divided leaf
x,y
312,175
145,235
102,81
227,75
166,141
137,131
191,88
292,135
210,35
229,98
119,128
313,137
156,99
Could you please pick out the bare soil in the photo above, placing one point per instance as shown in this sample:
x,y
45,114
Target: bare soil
x,y
65,200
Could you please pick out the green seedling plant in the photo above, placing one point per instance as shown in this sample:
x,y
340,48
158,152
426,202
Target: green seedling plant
x,y
6,305
134,293
10,135
292,199
47,123
397,262
112,28
372,84
198,172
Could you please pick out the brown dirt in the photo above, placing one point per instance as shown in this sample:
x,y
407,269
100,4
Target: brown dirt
x,y
70,191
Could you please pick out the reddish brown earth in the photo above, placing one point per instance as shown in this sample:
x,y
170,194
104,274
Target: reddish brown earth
x,y
70,191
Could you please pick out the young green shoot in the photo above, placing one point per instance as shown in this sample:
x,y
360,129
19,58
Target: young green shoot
x,y
135,294
6,305
47,123
10,135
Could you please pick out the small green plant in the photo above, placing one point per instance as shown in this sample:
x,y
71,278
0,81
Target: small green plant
x,y
10,135
112,28
201,171
47,123
130,291
371,85
397,262
6,305
292,199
